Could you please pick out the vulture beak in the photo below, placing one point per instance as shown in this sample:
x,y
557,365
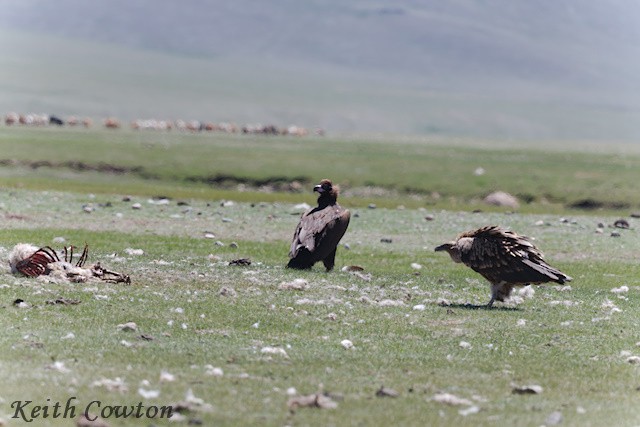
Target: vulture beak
x,y
443,247
318,188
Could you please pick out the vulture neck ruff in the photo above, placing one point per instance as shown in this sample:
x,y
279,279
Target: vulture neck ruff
x,y
329,198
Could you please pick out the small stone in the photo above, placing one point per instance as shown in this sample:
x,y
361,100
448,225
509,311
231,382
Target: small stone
x,y
554,418
214,371
128,327
136,206
621,223
469,411
346,344
386,392
527,389
295,285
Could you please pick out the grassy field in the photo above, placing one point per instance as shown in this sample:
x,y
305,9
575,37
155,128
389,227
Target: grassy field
x,y
411,326
410,171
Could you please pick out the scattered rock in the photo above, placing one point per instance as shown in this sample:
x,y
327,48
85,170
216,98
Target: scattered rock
x,y
20,303
386,240
167,377
346,344
274,350
430,217
241,262
295,285
128,327
621,223
469,411
500,198
62,301
554,418
134,252
136,206
317,400
214,371
527,389
226,291
352,268
386,392
450,399
148,394
621,290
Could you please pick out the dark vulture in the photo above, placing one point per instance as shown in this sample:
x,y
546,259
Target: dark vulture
x,y
504,258
319,231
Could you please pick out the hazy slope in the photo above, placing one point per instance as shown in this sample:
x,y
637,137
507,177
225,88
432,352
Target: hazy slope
x,y
550,69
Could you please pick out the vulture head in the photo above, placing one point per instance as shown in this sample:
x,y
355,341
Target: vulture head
x,y
454,248
328,192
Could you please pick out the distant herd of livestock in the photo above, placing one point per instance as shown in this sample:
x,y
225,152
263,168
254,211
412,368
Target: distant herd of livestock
x,y
15,119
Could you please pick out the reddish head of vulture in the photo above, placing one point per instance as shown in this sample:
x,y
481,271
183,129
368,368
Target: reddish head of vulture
x,y
504,258
319,231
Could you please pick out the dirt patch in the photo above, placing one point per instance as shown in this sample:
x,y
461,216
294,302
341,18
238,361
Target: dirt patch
x,y
592,204
79,166
269,184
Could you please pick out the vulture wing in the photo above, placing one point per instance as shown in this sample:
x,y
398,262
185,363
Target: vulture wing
x,y
318,233
503,256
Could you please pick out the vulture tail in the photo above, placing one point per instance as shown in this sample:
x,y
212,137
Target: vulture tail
x,y
552,273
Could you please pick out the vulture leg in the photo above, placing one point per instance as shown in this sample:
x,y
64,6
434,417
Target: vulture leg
x,y
500,292
330,260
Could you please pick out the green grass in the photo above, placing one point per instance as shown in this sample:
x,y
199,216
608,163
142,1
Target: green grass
x,y
411,172
569,341
573,352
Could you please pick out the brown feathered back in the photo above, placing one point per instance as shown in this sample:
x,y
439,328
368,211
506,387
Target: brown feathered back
x,y
320,229
503,257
